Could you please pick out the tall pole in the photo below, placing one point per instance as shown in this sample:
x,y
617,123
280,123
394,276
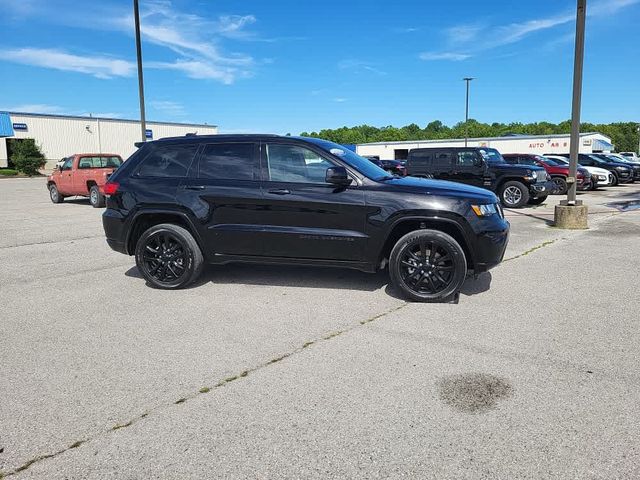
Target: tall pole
x,y
466,113
143,122
577,99
638,129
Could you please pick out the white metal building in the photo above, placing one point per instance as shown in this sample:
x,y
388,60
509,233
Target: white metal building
x,y
60,135
589,143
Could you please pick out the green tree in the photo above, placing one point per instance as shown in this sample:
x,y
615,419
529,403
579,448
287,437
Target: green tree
x,y
27,157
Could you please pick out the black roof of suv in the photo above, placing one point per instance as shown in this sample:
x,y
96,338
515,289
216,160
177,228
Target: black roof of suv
x,y
180,202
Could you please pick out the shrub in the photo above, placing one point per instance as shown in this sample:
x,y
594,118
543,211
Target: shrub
x,y
27,157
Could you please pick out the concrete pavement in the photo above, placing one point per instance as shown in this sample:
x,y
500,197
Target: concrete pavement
x,y
316,372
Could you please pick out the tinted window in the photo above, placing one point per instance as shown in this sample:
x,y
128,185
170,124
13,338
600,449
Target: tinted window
x,y
290,163
230,161
67,164
466,158
491,155
169,161
443,159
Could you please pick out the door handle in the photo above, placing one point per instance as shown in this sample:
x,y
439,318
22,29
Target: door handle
x,y
194,187
279,191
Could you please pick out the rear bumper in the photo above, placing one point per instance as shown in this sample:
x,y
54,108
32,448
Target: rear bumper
x,y
114,229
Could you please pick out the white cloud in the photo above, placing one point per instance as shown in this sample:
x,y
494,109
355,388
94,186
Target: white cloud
x,y
463,33
340,100
98,66
451,56
169,107
360,66
35,108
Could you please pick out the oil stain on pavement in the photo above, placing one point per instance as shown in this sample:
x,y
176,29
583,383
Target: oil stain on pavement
x,y
473,392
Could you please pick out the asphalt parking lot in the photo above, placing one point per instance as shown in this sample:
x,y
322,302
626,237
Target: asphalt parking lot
x,y
272,372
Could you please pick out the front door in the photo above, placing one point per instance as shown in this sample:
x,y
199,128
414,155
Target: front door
x,y
65,179
305,217
468,168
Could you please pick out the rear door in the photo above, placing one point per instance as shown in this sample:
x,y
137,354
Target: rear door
x,y
443,164
305,217
223,190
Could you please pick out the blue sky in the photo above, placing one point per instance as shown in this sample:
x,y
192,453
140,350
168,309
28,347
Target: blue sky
x,y
289,66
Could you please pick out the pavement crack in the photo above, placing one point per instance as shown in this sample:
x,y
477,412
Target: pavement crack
x,y
206,389
70,240
532,249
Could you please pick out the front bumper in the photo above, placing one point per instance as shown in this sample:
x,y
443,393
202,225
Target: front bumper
x,y
489,242
541,189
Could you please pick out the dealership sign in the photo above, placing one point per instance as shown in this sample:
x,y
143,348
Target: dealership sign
x,y
20,126
148,133
548,144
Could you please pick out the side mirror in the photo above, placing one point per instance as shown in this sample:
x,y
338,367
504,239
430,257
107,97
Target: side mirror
x,y
338,176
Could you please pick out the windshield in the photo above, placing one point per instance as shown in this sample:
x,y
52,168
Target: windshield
x,y
361,164
491,155
615,158
551,161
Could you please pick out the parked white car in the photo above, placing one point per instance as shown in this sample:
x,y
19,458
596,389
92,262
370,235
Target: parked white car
x,y
604,177
630,156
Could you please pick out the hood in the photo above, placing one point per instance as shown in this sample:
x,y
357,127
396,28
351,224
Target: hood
x,y
442,187
515,168
597,170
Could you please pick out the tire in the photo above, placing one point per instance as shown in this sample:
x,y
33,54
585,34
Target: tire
x,y
169,257
514,194
95,197
615,180
537,201
594,185
433,280
560,186
54,194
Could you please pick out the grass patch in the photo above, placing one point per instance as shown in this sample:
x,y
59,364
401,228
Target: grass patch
x,y
180,400
245,373
204,390
31,462
8,172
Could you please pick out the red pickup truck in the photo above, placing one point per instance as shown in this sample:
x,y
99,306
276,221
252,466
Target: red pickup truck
x,y
83,174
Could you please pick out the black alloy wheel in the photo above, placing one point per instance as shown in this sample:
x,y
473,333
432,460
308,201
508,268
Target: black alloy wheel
x,y
428,265
560,186
168,256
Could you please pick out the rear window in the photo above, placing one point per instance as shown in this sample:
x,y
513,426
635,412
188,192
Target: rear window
x,y
168,161
100,162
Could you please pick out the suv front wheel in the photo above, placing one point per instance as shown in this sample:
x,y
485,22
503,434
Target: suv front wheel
x,y
514,194
427,266
168,256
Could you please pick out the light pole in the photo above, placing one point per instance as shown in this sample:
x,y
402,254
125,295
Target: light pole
x,y
570,213
638,130
466,114
577,100
143,123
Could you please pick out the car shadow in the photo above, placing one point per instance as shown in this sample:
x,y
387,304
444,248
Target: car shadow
x,y
548,221
76,201
285,276
311,277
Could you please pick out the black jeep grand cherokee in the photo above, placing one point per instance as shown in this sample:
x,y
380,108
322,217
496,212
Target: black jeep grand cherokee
x,y
180,202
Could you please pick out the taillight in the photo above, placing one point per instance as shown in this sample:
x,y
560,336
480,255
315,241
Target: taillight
x,y
111,188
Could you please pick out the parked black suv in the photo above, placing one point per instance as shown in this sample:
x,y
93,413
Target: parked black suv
x,y
622,172
483,167
180,202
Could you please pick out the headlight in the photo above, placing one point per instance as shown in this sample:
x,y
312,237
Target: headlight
x,y
484,210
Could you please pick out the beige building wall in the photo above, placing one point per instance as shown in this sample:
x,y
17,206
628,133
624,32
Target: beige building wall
x,y
61,136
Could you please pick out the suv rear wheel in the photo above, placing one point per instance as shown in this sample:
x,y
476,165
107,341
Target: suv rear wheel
x,y
514,194
427,266
168,256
